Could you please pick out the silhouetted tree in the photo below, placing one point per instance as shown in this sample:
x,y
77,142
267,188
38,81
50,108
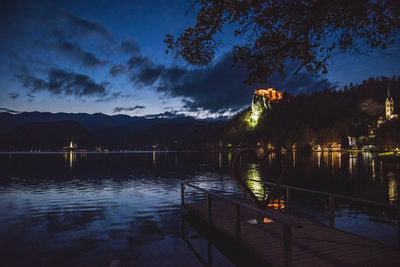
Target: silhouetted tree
x,y
308,32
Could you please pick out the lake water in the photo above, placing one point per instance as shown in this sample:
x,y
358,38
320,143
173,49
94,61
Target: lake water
x,y
80,209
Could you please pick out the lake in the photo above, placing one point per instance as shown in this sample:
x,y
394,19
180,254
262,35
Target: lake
x,y
80,209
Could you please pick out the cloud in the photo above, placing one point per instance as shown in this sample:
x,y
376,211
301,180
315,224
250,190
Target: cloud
x,y
119,109
219,88
166,115
13,95
130,46
138,62
75,51
300,83
117,69
61,82
113,96
9,110
79,26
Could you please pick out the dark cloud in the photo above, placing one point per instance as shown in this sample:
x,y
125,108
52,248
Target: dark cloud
x,y
61,82
219,88
166,115
117,69
300,83
130,47
139,61
79,26
216,89
30,97
9,110
148,75
13,95
119,109
113,96
75,51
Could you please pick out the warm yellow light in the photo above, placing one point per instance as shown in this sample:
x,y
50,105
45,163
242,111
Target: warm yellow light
x,y
270,93
266,220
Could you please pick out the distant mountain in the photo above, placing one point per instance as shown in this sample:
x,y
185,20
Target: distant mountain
x,y
92,122
49,131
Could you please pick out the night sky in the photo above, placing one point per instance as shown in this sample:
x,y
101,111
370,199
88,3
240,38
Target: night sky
x,y
109,57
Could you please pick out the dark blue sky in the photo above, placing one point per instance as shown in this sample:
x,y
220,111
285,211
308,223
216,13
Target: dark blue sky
x,y
109,57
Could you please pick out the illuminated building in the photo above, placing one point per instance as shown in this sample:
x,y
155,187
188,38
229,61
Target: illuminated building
x,y
389,110
262,102
71,147
389,105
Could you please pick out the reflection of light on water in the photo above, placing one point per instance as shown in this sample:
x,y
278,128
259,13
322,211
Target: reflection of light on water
x,y
393,191
277,204
229,157
319,159
326,159
219,160
70,159
271,156
294,159
373,169
256,186
352,164
154,157
336,161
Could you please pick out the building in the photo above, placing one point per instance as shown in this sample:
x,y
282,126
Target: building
x,y
261,103
389,106
389,110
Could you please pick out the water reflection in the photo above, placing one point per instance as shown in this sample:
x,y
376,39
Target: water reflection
x,y
101,206
352,164
393,187
294,159
97,207
254,181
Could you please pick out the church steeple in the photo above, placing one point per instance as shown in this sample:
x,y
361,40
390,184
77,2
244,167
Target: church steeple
x,y
389,105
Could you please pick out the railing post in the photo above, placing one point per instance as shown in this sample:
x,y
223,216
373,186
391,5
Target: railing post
x,y
237,220
182,194
332,211
398,226
209,208
288,201
287,243
209,253
244,194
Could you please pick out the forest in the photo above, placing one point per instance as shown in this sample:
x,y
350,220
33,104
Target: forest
x,y
323,118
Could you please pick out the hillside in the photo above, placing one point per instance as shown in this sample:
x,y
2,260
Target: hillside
x,y
320,118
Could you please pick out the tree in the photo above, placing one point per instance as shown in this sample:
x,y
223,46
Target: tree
x,y
308,32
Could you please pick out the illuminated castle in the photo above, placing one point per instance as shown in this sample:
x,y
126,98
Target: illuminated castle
x,y
262,102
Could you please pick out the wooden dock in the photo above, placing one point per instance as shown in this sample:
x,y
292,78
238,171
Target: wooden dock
x,y
286,240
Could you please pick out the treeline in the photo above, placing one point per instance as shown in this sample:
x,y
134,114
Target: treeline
x,y
322,118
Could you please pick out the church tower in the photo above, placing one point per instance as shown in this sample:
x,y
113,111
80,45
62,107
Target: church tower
x,y
389,104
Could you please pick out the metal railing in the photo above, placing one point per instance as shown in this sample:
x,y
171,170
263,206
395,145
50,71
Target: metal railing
x,y
331,200
271,214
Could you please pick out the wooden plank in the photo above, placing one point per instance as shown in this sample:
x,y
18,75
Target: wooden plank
x,y
313,244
